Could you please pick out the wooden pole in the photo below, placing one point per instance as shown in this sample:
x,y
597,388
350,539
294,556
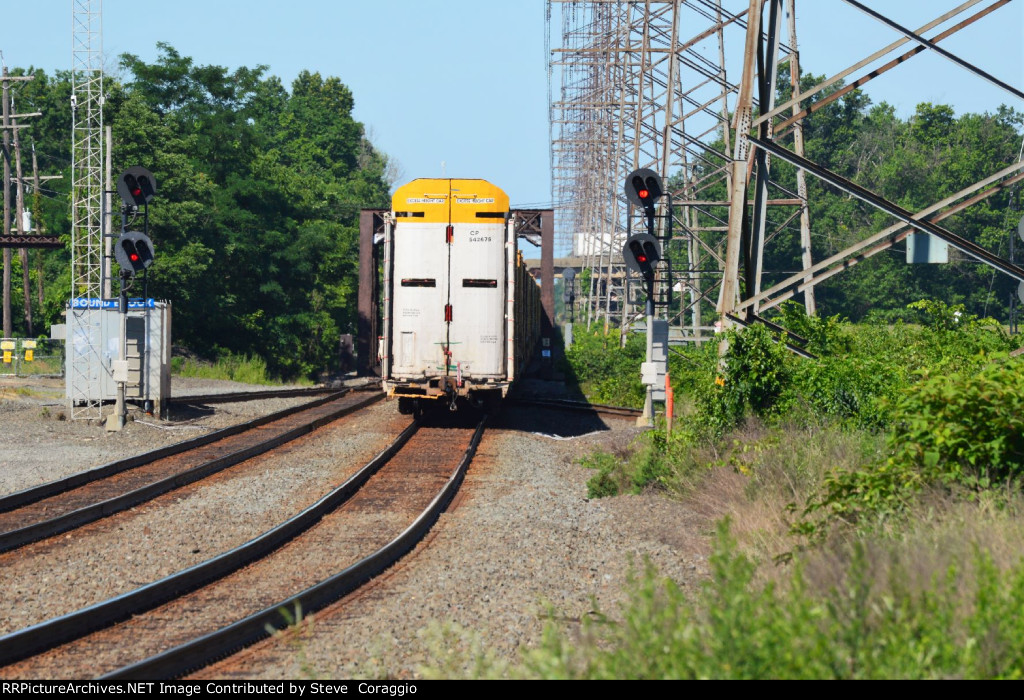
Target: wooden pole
x,y
22,252
8,329
37,217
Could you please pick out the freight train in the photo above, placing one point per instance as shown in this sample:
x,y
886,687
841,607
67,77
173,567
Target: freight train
x,y
461,311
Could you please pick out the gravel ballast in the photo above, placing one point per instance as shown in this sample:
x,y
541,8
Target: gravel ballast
x,y
521,536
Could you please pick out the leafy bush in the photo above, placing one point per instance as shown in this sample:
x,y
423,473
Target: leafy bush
x,y
956,341
651,460
756,374
850,389
964,429
605,372
825,336
609,474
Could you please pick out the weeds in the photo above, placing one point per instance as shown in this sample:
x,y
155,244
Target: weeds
x,y
238,368
965,623
895,459
297,628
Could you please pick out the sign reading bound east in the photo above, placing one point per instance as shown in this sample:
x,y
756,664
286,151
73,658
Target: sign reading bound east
x,y
82,303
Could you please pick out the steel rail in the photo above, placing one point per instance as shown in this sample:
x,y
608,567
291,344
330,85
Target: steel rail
x,y
249,395
216,645
37,493
571,405
95,511
66,628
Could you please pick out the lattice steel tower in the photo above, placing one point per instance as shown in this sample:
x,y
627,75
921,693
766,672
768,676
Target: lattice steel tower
x,y
644,85
83,342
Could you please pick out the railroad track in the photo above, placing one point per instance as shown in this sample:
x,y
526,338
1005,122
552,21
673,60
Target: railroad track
x,y
196,616
582,406
50,509
238,396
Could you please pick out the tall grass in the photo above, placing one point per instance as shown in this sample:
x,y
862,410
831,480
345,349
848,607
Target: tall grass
x,y
965,623
247,369
875,508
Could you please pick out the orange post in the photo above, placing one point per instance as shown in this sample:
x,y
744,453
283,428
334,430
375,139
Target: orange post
x,y
669,402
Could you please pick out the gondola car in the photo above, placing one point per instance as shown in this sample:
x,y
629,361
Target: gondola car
x,y
461,311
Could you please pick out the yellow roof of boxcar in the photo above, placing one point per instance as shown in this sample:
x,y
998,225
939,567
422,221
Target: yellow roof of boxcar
x,y
447,200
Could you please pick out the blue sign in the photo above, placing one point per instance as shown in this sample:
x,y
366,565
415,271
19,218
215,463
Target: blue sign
x,y
112,304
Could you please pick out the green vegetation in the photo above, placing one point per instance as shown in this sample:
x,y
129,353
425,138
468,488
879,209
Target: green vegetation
x,y
259,187
604,372
869,502
238,368
742,628
946,390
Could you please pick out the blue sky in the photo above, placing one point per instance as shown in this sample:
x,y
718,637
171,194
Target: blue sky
x,y
465,83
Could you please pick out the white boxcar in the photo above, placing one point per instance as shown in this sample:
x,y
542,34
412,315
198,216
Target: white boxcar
x,y
461,314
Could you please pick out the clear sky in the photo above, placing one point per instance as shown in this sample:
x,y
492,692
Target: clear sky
x,y
465,83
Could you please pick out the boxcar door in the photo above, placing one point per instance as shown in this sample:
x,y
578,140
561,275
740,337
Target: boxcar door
x,y
420,279
477,279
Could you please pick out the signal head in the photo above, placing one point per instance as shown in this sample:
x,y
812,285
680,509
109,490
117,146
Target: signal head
x,y
641,254
644,188
136,186
133,252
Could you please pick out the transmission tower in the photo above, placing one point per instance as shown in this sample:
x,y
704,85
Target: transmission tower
x,y
83,342
643,84
761,142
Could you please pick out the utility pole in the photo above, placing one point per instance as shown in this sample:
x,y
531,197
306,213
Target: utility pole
x,y
22,252
8,127
37,218
8,326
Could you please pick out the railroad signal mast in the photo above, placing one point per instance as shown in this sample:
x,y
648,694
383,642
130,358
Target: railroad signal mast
x,y
644,188
642,253
133,252
136,187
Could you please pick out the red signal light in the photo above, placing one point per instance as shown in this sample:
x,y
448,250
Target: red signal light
x,y
136,192
641,258
643,194
134,257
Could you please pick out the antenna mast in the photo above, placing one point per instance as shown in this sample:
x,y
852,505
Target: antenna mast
x,y
86,207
